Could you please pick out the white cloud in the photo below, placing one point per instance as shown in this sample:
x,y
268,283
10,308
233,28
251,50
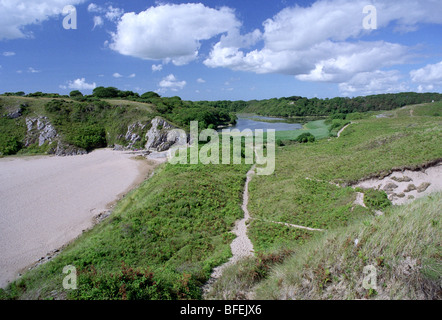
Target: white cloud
x,y
92,7
16,15
8,53
171,32
323,42
430,74
113,14
200,80
32,70
133,75
109,12
170,82
116,75
157,67
376,82
79,84
425,88
98,22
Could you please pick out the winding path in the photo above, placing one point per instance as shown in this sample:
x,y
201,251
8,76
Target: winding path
x,y
241,246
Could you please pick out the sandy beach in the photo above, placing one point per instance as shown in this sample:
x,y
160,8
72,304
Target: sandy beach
x,y
47,201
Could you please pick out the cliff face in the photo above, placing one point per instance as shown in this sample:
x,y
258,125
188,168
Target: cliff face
x,y
41,131
162,135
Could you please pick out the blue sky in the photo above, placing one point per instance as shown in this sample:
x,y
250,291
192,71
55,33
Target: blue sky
x,y
228,49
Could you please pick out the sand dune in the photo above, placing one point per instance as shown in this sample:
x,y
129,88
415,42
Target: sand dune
x,y
47,201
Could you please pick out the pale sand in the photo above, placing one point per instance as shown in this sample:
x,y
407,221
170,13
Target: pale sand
x,y
402,191
47,201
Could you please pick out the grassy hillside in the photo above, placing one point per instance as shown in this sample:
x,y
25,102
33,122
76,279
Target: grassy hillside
x,y
84,124
164,238
403,246
303,191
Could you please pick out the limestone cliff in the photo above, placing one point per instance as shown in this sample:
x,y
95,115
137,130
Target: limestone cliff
x,y
163,135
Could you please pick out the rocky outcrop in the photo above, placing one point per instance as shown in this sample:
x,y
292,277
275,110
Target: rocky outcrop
x,y
162,135
41,131
133,133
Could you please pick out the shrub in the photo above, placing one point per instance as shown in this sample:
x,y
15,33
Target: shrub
x,y
376,199
75,93
87,137
306,137
9,145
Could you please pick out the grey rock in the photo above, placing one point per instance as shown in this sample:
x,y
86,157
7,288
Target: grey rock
x,y
163,135
15,114
41,130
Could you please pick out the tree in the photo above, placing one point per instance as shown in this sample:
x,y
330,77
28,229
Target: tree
x,y
150,94
75,93
102,92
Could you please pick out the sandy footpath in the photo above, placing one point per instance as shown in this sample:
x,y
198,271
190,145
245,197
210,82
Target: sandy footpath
x,y
47,201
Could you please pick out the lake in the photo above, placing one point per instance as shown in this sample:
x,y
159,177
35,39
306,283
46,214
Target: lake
x,y
253,122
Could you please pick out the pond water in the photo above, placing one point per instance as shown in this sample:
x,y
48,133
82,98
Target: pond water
x,y
253,122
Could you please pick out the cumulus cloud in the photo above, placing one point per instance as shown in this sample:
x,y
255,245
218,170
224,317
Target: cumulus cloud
x,y
79,84
322,42
430,74
113,14
8,53
16,15
116,75
171,32
110,13
200,80
170,82
375,82
157,67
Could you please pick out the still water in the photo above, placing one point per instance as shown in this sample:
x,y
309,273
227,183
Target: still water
x,y
252,122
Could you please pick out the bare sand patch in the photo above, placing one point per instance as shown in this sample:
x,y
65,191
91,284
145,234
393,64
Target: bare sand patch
x,y
47,201
404,186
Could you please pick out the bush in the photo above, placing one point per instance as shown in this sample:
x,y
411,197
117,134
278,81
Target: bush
x,y
75,93
102,92
87,137
376,199
306,137
9,145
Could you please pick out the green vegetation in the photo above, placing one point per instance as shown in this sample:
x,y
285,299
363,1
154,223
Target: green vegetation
x,y
99,120
302,191
164,238
300,106
401,245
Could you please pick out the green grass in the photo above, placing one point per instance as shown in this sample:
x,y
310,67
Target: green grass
x,y
302,191
402,246
367,147
318,128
